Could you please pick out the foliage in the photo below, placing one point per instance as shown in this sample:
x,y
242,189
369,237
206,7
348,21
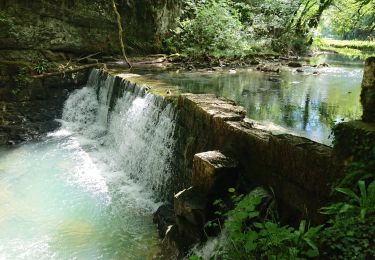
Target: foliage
x,y
348,234
215,31
7,24
348,238
238,27
351,231
256,234
264,237
21,77
355,205
359,45
353,49
41,66
350,19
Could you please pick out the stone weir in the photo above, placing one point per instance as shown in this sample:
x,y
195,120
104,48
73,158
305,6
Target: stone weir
x,y
298,170
218,148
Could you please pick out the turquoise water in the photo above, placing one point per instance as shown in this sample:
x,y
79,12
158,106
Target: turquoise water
x,y
88,190
59,199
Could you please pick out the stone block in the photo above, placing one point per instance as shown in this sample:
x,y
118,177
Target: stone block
x,y
163,218
213,172
191,205
368,91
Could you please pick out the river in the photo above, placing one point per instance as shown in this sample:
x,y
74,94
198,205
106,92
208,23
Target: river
x,y
88,190
305,104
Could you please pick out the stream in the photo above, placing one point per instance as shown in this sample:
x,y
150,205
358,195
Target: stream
x,y
303,104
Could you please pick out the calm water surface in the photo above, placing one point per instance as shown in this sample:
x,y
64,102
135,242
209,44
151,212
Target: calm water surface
x,y
301,103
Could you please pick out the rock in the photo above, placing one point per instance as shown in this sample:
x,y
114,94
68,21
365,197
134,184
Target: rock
x,y
232,71
355,142
368,91
254,62
323,65
299,70
245,92
316,73
171,244
272,79
268,68
189,233
163,218
294,64
213,172
191,205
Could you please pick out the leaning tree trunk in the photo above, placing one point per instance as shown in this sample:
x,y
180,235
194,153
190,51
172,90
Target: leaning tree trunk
x,y
323,5
120,32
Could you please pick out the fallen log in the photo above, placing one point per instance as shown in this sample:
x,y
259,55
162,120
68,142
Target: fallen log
x,y
57,73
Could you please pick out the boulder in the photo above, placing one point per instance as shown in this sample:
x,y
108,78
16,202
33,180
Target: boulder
x,y
268,68
295,64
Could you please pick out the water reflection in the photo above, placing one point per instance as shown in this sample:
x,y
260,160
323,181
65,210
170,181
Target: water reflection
x,y
307,103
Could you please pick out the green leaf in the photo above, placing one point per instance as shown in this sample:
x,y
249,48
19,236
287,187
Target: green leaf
x,y
349,193
363,213
231,190
362,189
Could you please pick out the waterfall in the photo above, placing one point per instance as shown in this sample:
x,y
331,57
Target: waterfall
x,y
136,131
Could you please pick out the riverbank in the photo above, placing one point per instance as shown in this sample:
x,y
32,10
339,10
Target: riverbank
x,y
350,48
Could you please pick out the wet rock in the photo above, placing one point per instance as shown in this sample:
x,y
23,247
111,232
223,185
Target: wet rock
x,y
189,233
163,218
245,92
323,65
272,79
217,68
368,91
299,70
213,172
295,64
171,244
254,62
190,204
268,68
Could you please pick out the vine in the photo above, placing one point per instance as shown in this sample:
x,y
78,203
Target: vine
x,y
120,33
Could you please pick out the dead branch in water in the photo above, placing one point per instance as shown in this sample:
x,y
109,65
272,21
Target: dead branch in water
x,y
63,72
88,56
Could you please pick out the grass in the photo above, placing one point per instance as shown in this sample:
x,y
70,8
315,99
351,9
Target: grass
x,y
351,48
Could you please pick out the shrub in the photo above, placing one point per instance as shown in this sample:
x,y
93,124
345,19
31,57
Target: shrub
x,y
214,31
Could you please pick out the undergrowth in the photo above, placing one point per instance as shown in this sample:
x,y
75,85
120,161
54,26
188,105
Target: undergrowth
x,y
252,229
